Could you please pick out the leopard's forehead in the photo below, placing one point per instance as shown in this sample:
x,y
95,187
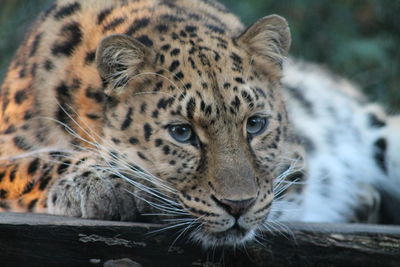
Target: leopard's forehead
x,y
207,80
212,77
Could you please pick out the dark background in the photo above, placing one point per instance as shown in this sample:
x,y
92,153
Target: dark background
x,y
359,39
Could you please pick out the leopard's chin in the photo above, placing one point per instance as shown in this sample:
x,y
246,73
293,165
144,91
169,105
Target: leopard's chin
x,y
234,236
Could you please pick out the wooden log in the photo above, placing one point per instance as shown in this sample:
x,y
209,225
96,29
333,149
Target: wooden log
x,y
44,240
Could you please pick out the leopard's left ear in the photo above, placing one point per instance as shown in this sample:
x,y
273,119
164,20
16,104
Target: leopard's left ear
x,y
268,38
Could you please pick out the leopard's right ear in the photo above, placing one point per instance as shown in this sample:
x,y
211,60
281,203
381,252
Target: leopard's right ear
x,y
268,38
119,58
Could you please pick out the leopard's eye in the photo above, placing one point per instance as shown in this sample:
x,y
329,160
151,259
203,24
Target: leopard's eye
x,y
256,125
182,133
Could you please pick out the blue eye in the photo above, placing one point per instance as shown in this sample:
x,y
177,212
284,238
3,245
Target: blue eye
x,y
182,133
256,125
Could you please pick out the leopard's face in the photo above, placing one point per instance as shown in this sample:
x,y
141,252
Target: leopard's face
x,y
208,122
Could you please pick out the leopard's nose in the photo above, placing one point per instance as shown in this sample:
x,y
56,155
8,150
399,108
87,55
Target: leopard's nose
x,y
236,208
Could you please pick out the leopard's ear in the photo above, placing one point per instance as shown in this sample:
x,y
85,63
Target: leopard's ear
x,y
268,38
119,58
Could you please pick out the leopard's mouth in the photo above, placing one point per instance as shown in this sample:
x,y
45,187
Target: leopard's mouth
x,y
232,236
235,231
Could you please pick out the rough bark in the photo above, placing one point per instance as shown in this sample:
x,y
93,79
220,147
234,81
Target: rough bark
x,y
44,240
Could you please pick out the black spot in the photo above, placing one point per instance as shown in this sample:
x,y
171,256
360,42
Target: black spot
x,y
63,167
22,72
216,56
183,34
162,28
246,97
3,194
190,107
158,87
90,56
10,129
2,174
166,150
144,39
28,115
21,143
67,10
172,18
279,117
148,131
155,114
137,25
175,52
175,64
48,11
202,105
239,80
162,58
86,174
113,24
236,103
103,15
48,65
32,204
64,97
97,95
375,122
195,16
20,96
54,198
35,45
92,116
164,103
28,188
4,205
236,58
190,28
143,108
13,173
172,162
208,110
33,166
141,155
165,47
128,119
261,92
158,142
73,37
215,28
116,140
380,146
227,85
179,76
133,141
204,60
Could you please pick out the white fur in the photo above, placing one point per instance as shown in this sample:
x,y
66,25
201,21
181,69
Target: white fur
x,y
343,173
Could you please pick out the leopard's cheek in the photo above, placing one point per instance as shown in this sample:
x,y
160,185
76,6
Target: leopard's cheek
x,y
176,166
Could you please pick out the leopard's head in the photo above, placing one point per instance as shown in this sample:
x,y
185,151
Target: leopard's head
x,y
202,114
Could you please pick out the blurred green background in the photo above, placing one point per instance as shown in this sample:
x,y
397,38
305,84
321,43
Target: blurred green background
x,y
359,39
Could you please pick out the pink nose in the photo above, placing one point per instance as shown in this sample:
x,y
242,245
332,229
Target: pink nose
x,y
236,208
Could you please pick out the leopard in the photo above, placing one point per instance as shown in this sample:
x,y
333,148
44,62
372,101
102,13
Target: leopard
x,y
174,111
115,109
